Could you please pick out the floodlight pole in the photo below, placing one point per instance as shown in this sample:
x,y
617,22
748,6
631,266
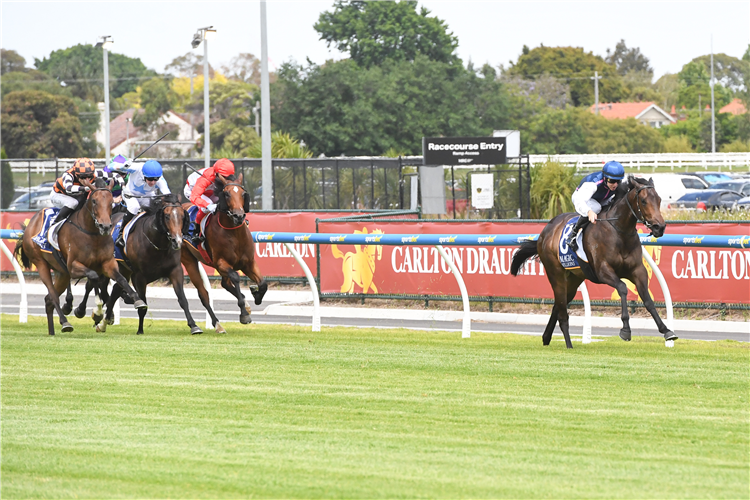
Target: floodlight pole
x,y
265,103
713,114
104,43
206,120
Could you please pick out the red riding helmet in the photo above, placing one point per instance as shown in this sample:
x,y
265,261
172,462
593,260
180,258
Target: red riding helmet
x,y
224,167
83,168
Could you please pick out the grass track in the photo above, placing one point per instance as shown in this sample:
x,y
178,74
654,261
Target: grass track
x,y
276,411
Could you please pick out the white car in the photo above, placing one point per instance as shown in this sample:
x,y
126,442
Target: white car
x,y
672,187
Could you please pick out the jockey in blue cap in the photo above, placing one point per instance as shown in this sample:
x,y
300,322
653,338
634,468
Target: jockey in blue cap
x,y
144,181
595,191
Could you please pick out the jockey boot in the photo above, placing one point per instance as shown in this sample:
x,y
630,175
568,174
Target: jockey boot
x,y
582,223
63,214
120,238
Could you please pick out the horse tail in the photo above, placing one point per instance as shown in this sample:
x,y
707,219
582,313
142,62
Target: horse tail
x,y
337,254
19,254
528,250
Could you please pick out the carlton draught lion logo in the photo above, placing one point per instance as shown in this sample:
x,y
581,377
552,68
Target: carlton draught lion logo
x,y
359,267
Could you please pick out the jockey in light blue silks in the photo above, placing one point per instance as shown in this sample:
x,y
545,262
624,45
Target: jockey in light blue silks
x,y
144,181
595,191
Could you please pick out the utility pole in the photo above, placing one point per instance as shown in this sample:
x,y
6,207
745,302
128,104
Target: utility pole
x,y
206,117
596,92
265,104
713,114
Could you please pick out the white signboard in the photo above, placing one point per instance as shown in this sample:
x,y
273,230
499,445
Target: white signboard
x,y
482,195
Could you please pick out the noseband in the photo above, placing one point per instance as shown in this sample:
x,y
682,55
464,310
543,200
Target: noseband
x,y
640,219
163,216
227,211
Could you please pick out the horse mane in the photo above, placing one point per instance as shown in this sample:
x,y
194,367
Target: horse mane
x,y
158,202
623,189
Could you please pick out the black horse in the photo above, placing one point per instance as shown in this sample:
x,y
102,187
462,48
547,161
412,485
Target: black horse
x,y
613,248
153,252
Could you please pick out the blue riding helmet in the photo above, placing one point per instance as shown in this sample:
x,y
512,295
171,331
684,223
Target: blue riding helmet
x,y
613,170
152,168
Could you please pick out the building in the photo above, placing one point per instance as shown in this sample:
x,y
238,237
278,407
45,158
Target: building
x,y
647,113
736,107
124,136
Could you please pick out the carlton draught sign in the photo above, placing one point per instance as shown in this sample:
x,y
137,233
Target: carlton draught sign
x,y
464,150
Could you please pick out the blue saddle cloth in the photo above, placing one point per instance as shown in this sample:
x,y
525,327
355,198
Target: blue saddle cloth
x,y
568,258
50,214
115,234
193,227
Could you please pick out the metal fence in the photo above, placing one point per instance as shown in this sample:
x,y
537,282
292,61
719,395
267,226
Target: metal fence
x,y
373,183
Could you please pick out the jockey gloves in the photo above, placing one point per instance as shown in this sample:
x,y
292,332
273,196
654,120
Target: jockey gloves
x,y
224,167
613,170
152,168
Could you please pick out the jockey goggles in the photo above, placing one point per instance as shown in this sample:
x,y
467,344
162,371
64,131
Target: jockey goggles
x,y
612,181
151,178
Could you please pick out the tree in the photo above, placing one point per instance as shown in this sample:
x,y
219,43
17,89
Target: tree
x,y
244,67
81,68
232,132
36,124
694,82
340,108
627,60
575,67
155,101
6,181
10,61
188,65
552,186
729,71
373,32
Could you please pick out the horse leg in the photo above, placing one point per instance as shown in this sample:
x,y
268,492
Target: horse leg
x,y
547,335
191,266
111,269
109,317
640,278
254,274
68,307
233,276
558,281
80,310
177,279
609,277
139,282
52,299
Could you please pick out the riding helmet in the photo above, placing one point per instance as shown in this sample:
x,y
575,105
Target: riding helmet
x,y
152,168
224,167
117,163
613,170
83,167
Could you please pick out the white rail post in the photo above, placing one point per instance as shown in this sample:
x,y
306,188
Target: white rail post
x,y
586,334
116,312
665,292
313,288
466,325
207,285
23,311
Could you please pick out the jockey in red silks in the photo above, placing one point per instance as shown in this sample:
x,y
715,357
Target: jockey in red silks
x,y
202,191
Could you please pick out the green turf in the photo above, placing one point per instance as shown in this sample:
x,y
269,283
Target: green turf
x,y
276,411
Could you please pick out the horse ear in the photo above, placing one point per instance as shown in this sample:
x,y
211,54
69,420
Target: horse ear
x,y
240,178
221,178
111,184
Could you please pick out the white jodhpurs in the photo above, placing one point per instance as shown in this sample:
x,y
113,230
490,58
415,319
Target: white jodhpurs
x,y
62,200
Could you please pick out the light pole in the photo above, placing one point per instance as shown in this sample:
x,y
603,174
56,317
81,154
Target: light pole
x,y
105,43
265,114
203,35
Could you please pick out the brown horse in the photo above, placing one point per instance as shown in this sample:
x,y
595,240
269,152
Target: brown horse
x,y
613,248
153,252
230,246
86,251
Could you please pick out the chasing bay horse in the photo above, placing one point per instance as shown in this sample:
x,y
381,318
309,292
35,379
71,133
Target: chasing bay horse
x,y
153,252
230,247
86,251
613,249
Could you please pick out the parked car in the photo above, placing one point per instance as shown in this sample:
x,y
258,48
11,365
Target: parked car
x,y
739,185
711,178
708,199
33,198
671,187
743,204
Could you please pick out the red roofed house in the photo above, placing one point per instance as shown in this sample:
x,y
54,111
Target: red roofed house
x,y
647,113
735,107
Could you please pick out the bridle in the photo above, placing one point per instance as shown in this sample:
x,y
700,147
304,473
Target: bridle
x,y
228,213
172,239
93,217
640,219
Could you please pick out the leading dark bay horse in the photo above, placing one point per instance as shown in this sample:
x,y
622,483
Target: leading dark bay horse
x,y
613,248
230,246
153,252
86,251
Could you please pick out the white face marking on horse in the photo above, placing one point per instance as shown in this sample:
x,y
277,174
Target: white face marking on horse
x,y
235,189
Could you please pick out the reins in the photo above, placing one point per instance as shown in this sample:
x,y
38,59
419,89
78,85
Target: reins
x,y
640,219
227,212
162,213
93,217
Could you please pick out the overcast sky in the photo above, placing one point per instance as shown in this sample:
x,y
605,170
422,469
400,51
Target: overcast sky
x,y
668,33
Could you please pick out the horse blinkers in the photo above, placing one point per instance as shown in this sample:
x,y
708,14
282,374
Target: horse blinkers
x,y
246,199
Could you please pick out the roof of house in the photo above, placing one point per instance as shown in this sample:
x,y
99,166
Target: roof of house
x,y
736,107
624,110
119,128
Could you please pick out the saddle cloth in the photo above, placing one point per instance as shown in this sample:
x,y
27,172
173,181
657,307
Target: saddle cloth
x,y
119,254
43,238
569,259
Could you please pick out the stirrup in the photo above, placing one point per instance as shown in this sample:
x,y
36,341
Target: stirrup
x,y
573,242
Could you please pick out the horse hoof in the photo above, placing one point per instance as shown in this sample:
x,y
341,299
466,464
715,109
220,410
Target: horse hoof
x,y
80,313
195,330
670,335
262,289
127,300
625,335
245,319
67,309
220,329
101,327
139,304
110,321
139,333
67,327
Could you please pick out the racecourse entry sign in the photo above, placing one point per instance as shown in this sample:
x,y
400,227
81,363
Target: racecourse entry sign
x,y
463,150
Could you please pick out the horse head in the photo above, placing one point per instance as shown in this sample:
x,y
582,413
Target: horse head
x,y
99,203
170,218
644,202
233,199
